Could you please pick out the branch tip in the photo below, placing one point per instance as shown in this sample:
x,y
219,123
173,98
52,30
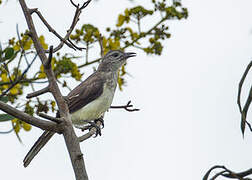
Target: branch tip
x,y
47,63
38,93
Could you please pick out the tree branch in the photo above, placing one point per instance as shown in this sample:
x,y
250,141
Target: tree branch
x,y
126,107
244,110
241,84
70,137
227,173
38,93
56,120
42,124
52,30
74,22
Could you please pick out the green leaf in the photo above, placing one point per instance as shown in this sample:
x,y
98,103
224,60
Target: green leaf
x,y
4,99
5,117
9,52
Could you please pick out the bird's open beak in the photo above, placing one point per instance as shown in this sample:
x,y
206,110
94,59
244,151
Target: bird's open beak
x,y
130,54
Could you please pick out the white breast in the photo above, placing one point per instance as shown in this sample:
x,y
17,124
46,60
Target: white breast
x,y
94,109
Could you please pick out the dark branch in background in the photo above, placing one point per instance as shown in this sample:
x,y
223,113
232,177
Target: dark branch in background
x,y
244,110
19,78
7,132
32,80
126,107
224,172
12,84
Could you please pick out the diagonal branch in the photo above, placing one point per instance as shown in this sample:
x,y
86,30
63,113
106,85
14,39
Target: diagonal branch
x,y
52,30
241,84
42,124
19,79
71,28
56,120
244,110
38,93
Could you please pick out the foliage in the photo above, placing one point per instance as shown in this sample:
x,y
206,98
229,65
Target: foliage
x,y
130,31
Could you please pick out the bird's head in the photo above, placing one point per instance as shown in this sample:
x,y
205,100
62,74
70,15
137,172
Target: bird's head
x,y
114,59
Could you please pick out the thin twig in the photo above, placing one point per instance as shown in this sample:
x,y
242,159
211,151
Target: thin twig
x,y
51,29
245,110
38,93
101,45
56,120
126,107
70,30
7,132
241,84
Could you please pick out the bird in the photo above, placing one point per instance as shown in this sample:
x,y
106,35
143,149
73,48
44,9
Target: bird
x,y
88,102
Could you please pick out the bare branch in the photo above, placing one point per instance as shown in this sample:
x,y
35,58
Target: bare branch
x,y
38,93
227,173
245,111
56,120
45,125
7,132
77,6
70,30
51,29
70,137
126,107
47,64
248,102
241,84
85,4
89,63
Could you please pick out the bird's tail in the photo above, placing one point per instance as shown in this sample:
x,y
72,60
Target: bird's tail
x,y
39,144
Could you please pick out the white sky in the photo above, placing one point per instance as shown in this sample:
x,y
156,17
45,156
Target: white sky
x,y
189,120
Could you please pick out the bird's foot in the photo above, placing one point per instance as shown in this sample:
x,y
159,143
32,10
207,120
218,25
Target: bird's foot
x,y
91,125
101,121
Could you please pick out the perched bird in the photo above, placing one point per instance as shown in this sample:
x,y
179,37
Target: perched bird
x,y
90,99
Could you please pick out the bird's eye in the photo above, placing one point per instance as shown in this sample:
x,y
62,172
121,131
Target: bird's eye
x,y
115,55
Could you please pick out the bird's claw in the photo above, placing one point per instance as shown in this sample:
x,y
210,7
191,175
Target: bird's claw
x,y
101,121
93,125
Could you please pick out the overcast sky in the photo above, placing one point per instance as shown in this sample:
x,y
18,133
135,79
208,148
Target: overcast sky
x,y
189,120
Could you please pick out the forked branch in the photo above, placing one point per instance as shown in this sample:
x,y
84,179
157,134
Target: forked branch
x,y
127,107
226,173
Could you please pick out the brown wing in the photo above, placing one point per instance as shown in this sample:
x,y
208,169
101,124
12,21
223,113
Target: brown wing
x,y
84,93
